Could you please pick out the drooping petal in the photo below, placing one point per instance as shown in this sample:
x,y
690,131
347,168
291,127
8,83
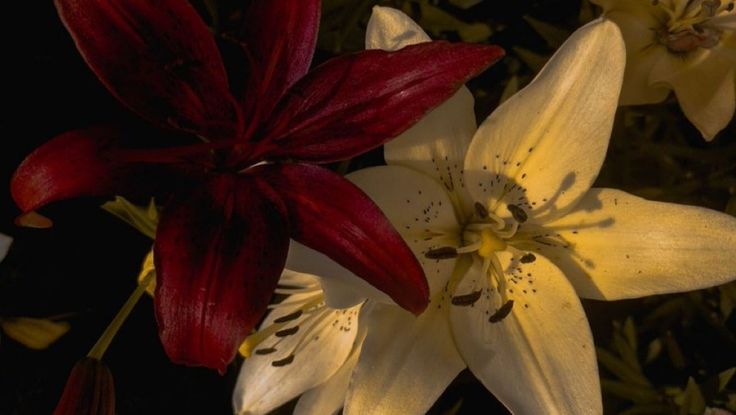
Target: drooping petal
x,y
83,162
159,59
310,345
329,397
539,358
5,242
280,38
89,390
437,144
354,103
406,362
542,148
614,245
331,215
643,52
219,252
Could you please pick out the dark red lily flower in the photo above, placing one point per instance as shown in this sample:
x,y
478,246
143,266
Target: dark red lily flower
x,y
224,234
89,390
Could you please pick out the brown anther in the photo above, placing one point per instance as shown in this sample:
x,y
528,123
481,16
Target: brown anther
x,y
283,362
292,316
287,332
518,213
481,210
445,252
502,312
466,299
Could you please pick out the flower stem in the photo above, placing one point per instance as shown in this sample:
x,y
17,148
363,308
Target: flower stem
x,y
104,341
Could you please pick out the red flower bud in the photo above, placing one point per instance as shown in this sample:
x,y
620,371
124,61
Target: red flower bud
x,y
89,390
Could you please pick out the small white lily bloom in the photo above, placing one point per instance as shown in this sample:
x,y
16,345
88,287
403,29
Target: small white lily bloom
x,y
688,46
302,347
5,242
510,234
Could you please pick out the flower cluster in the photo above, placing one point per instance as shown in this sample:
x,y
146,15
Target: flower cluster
x,y
471,248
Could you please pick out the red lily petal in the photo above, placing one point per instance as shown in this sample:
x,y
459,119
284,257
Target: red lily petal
x,y
331,215
357,102
281,37
158,58
219,253
89,390
78,163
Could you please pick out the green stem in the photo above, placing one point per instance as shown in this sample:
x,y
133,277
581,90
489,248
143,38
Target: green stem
x,y
104,341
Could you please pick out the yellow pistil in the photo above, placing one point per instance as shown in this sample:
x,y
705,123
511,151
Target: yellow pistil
x,y
490,243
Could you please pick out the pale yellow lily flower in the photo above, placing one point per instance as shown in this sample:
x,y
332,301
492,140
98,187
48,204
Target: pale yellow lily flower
x,y
510,234
303,347
685,46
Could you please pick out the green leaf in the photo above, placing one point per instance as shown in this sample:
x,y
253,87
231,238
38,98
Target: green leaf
x,y
553,35
647,409
725,377
654,350
632,393
621,369
437,21
691,401
533,60
510,89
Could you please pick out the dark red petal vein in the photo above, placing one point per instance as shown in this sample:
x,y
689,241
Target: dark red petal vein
x,y
219,252
158,58
357,102
331,215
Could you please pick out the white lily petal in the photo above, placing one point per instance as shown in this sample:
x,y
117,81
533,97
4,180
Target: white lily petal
x,y
406,362
420,209
644,10
5,242
342,288
302,354
542,149
437,144
329,397
642,53
623,246
538,359
391,29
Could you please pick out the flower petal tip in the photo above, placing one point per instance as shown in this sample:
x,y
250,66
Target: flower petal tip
x,y
89,390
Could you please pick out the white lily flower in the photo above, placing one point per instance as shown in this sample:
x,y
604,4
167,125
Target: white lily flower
x,y
510,234
685,46
302,347
5,242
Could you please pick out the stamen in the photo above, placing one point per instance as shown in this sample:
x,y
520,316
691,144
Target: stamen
x,y
502,312
466,299
528,258
445,252
283,362
266,350
481,210
287,332
289,317
518,213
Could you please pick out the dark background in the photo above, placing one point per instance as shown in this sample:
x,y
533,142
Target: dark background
x,y
87,263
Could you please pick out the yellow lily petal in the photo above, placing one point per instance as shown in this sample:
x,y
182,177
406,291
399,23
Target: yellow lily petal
x,y
539,358
542,149
622,246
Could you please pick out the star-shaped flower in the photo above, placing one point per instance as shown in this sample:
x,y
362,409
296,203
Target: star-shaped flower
x,y
510,234
234,199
